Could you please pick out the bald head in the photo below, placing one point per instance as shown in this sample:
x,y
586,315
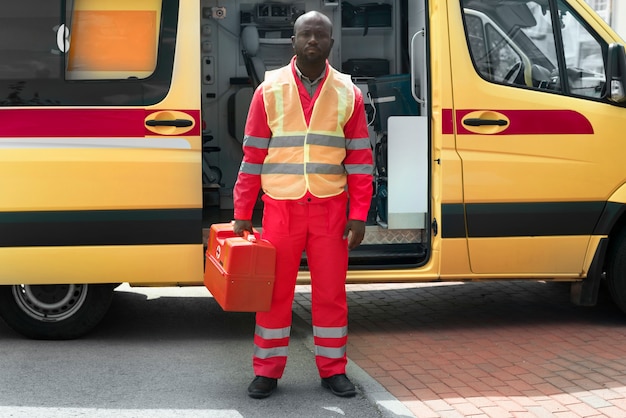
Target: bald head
x,y
313,16
312,41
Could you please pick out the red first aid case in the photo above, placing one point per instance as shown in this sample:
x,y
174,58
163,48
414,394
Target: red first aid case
x,y
239,273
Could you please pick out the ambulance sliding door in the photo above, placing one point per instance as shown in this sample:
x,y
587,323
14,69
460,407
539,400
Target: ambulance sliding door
x,y
100,166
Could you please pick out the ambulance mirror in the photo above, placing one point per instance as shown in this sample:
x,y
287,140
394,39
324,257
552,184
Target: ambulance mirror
x,y
616,73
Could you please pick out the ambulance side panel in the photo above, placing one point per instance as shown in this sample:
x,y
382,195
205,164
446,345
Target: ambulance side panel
x,y
100,167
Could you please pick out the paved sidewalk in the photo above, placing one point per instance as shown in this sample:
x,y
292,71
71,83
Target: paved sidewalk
x,y
489,349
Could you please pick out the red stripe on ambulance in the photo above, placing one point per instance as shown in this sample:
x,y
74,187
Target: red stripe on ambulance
x,y
93,123
523,122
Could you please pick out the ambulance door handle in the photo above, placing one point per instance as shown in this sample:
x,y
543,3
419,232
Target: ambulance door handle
x,y
414,67
484,122
178,123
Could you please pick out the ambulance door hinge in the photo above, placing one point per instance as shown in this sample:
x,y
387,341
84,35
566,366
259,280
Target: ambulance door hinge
x,y
435,227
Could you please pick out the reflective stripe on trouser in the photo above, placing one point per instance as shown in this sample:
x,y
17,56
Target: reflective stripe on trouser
x,y
294,226
270,350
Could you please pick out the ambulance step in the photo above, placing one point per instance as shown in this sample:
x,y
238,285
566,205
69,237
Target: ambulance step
x,y
383,255
380,235
387,254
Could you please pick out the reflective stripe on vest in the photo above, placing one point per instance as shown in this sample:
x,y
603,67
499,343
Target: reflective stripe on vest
x,y
302,158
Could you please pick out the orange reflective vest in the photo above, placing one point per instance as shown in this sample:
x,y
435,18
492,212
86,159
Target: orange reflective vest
x,y
302,157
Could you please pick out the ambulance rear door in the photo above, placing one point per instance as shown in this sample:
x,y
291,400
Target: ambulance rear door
x,y
534,133
100,165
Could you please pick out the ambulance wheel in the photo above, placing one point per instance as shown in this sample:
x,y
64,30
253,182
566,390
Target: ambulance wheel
x,y
54,312
616,269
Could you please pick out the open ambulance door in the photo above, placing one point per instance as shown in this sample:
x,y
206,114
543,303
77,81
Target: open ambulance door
x,y
528,119
100,156
398,234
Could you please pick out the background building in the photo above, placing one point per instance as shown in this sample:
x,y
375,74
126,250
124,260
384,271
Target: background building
x,y
613,12
618,17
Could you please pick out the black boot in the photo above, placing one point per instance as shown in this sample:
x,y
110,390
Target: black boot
x,y
262,387
339,385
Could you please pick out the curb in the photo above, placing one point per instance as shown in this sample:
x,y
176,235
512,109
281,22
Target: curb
x,y
388,405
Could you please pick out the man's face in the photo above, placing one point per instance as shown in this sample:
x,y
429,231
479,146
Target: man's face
x,y
313,40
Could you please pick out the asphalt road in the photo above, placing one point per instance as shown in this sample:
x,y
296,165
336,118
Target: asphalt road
x,y
168,353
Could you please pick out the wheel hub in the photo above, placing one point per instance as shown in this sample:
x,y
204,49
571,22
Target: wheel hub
x,y
50,303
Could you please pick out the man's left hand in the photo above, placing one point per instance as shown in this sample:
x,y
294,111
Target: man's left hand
x,y
355,231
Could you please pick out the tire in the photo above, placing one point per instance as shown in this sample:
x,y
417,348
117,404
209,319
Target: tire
x,y
55,312
616,269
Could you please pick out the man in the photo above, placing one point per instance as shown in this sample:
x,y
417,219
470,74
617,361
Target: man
x,y
307,146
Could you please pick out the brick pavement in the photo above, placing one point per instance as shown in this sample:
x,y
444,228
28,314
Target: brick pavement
x,y
488,349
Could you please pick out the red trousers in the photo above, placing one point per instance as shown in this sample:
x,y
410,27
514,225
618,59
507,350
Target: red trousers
x,y
316,226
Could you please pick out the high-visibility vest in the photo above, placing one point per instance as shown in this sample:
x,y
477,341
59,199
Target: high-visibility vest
x,y
302,157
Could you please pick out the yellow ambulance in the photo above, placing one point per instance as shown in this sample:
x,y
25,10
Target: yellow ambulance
x,y
497,128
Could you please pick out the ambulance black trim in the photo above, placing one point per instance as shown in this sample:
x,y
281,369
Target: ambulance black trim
x,y
611,214
490,220
101,227
452,221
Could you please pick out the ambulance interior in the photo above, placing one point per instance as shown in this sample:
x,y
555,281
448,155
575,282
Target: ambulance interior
x,y
384,53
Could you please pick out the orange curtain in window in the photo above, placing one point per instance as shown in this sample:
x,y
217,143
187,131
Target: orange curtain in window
x,y
113,40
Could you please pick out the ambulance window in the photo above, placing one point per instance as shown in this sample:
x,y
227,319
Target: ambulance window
x,y
583,55
514,43
493,55
116,39
52,51
517,40
28,42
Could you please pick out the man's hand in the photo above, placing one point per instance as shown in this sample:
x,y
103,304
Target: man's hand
x,y
240,226
355,231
